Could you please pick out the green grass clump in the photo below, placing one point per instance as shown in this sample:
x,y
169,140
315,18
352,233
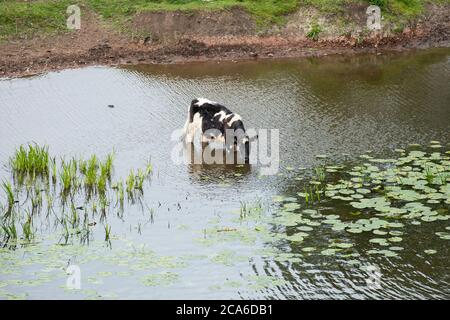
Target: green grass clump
x,y
33,160
68,175
314,32
264,11
26,19
90,179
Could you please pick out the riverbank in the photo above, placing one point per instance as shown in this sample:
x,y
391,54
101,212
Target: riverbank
x,y
233,33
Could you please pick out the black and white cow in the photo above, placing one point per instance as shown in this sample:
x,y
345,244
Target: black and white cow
x,y
214,123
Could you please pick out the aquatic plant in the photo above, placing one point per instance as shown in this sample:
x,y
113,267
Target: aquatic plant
x,y
54,170
7,187
91,173
108,165
130,182
27,228
107,232
101,183
118,186
320,174
244,210
140,177
10,231
74,217
429,174
148,169
250,208
103,201
32,161
82,165
67,175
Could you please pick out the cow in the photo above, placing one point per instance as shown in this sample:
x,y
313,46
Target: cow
x,y
214,123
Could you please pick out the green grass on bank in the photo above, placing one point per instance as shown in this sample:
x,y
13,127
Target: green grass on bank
x,y
270,11
25,19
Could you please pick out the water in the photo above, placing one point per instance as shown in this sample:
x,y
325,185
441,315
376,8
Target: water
x,y
194,245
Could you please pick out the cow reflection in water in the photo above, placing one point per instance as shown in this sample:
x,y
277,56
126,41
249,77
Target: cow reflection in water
x,y
209,171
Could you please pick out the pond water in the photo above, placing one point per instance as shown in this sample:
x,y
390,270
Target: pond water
x,y
227,232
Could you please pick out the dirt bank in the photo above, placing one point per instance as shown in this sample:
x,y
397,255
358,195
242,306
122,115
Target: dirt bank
x,y
171,37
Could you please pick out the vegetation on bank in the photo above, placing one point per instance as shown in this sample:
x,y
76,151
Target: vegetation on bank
x,y
26,19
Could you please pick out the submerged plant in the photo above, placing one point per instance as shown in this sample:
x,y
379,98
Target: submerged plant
x,y
10,231
7,187
107,232
74,217
130,182
54,171
101,183
103,201
27,229
140,178
148,169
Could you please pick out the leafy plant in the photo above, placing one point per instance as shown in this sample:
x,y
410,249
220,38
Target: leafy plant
x,y
314,32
